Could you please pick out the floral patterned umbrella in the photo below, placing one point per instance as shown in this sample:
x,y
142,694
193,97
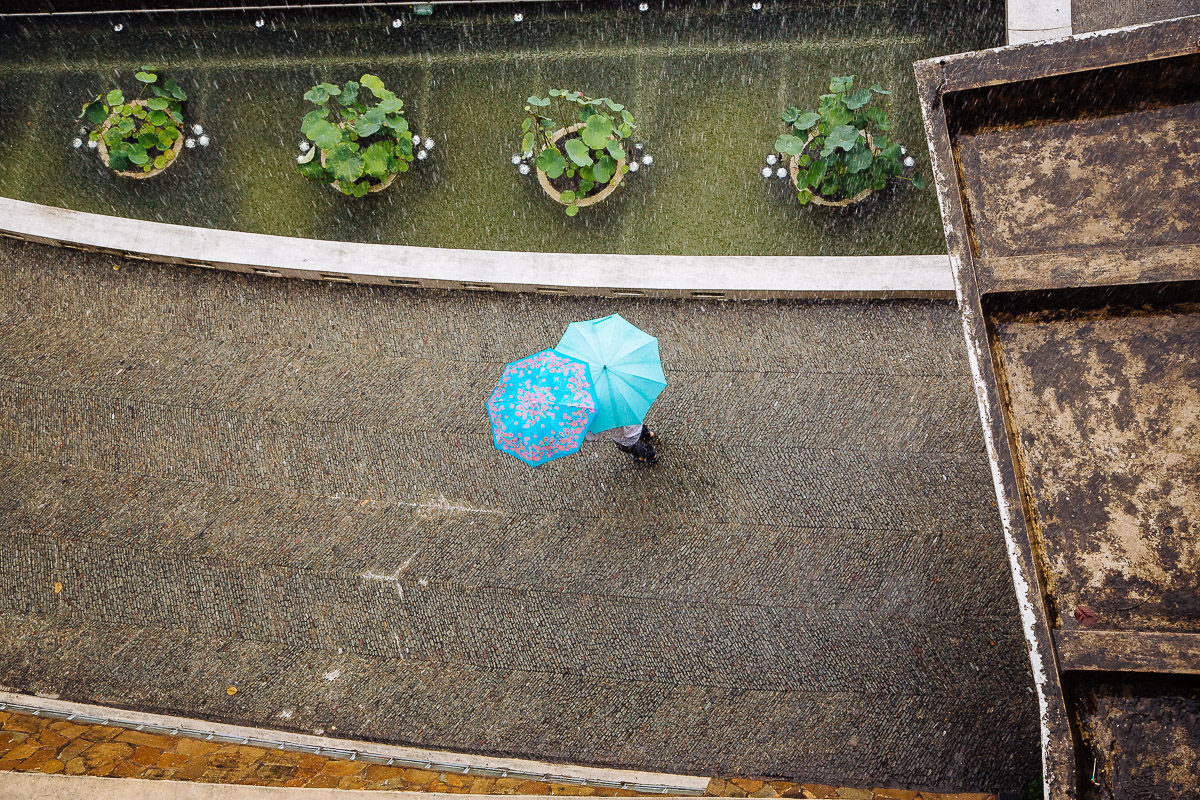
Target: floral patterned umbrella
x,y
542,407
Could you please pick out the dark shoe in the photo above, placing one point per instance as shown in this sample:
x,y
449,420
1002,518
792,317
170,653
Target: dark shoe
x,y
647,434
642,451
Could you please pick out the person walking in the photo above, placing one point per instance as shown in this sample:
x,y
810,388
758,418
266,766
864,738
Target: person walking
x,y
637,440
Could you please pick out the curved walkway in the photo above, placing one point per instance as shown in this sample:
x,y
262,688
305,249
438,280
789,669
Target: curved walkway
x,y
289,487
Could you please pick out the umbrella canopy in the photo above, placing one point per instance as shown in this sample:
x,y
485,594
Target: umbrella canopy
x,y
542,406
626,371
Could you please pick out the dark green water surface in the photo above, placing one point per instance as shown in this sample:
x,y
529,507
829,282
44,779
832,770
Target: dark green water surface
x,y
706,82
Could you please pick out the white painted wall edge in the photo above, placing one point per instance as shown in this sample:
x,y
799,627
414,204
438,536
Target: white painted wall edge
x,y
36,786
700,277
525,767
1036,20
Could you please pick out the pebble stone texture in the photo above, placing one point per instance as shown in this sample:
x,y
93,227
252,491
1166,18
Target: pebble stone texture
x,y
290,487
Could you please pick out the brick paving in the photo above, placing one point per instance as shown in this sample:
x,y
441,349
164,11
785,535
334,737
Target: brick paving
x,y
290,487
36,744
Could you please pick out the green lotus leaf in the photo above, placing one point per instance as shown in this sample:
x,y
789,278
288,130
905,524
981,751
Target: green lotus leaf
x,y
572,210
373,83
806,121
125,126
171,86
568,196
804,196
880,118
790,115
792,145
614,106
551,162
377,160
158,118
146,77
148,140
858,99
313,170
115,98
860,158
585,174
321,93
324,134
349,93
160,162
627,118
356,189
389,105
137,155
558,92
816,173
586,186
597,130
397,123
345,162
157,103
369,122
605,168
404,148
540,102
841,84
879,89
312,118
614,149
842,137
112,137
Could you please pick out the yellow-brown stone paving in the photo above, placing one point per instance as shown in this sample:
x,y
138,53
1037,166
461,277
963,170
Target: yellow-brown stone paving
x,y
38,744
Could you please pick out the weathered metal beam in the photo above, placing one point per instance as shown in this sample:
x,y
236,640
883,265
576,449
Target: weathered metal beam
x,y
1128,651
1113,267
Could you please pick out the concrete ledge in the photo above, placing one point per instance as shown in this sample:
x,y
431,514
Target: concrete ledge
x,y
697,277
1038,20
36,786
440,760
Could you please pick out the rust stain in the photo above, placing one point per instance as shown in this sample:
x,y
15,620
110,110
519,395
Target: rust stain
x,y
1107,409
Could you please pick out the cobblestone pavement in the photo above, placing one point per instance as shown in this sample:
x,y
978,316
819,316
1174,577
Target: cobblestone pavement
x,y
290,487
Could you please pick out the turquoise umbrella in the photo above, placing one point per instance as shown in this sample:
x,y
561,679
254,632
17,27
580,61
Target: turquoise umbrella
x,y
627,373
541,407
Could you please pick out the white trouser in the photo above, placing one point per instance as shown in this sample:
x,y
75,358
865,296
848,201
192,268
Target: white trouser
x,y
626,435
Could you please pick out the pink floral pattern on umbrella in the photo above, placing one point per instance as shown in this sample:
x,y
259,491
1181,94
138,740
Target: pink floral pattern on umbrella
x,y
542,407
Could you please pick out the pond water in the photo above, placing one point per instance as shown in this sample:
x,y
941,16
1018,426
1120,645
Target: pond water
x,y
706,81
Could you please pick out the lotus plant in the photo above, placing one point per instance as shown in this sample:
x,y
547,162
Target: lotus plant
x,y
139,135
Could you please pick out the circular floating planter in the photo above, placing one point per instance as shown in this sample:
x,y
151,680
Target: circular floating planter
x,y
378,187
102,149
794,170
591,199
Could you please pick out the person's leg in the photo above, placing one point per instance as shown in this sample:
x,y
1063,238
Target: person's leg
x,y
633,440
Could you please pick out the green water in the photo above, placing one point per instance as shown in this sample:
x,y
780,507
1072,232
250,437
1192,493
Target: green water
x,y
706,82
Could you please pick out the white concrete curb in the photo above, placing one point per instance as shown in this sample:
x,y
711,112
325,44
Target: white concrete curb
x,y
439,760
1037,20
698,277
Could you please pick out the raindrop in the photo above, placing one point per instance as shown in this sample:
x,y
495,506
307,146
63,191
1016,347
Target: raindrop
x,y
77,143
429,144
647,159
772,158
304,147
396,23
633,166
189,142
516,159
422,155
766,172
643,7
197,129
120,26
523,169
203,140
518,17
258,23
781,172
